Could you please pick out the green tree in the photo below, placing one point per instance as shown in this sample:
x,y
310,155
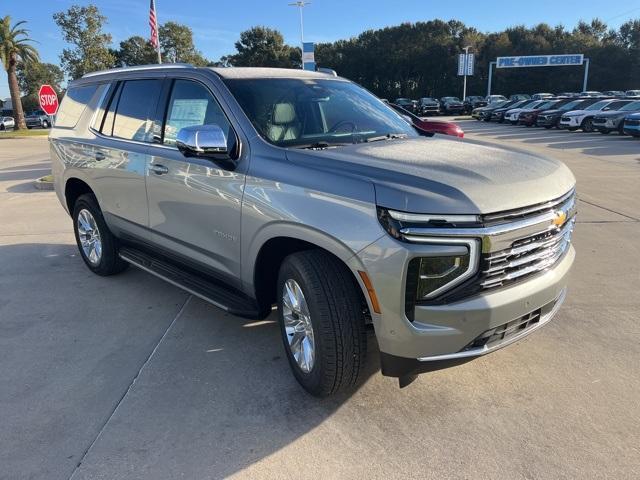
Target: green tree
x,y
31,77
82,27
135,51
176,45
263,47
15,50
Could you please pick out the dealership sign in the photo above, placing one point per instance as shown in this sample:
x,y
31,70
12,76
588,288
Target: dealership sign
x,y
540,61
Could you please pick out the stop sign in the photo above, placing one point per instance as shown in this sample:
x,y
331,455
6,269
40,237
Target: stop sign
x,y
48,99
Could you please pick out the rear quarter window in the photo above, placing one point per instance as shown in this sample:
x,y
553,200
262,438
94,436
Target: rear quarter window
x,y
73,105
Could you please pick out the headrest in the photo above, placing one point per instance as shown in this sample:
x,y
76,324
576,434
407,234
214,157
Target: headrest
x,y
283,113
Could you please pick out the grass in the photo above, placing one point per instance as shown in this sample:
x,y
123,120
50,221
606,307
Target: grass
x,y
39,132
46,178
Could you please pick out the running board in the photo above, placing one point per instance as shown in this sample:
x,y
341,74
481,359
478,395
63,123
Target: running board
x,y
221,296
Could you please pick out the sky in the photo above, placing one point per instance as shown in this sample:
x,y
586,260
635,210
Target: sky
x,y
217,23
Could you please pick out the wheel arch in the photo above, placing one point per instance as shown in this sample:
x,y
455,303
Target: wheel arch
x,y
266,256
73,188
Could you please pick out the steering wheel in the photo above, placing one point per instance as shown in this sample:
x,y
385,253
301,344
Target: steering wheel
x,y
342,123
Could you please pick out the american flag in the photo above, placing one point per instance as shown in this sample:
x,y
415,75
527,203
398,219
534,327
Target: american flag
x,y
153,23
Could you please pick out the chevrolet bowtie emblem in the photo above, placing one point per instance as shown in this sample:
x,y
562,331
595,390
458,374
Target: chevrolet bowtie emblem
x,y
560,218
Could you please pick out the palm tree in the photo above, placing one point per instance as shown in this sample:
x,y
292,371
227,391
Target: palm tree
x,y
14,48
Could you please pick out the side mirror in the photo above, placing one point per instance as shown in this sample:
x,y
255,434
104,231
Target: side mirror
x,y
203,141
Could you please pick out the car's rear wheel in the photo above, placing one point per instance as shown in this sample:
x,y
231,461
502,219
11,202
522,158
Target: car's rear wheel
x,y
321,318
97,245
45,124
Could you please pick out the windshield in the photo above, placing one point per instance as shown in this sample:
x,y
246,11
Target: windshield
x,y
571,105
631,107
451,99
547,105
599,105
290,112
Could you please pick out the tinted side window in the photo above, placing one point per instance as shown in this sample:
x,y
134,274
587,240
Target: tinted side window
x,y
192,104
73,104
136,104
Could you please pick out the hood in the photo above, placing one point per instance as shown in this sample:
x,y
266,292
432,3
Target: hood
x,y
440,175
580,112
552,112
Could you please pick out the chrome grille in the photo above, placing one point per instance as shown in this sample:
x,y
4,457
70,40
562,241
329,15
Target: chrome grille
x,y
526,256
530,211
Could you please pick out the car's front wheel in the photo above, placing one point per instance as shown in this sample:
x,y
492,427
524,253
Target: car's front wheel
x,y
322,322
587,125
97,245
45,124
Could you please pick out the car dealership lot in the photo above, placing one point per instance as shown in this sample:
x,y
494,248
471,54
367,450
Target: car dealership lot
x,y
129,377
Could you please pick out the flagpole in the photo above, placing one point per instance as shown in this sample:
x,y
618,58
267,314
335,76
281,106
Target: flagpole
x,y
157,35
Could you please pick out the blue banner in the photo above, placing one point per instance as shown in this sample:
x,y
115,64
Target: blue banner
x,y
308,57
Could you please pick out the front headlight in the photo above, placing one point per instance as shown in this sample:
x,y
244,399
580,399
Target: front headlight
x,y
434,273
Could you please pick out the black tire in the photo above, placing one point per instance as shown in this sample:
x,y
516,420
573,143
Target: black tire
x,y
605,131
1,127
587,125
45,124
336,310
110,263
548,127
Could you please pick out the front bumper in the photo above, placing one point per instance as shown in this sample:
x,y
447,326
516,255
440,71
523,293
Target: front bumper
x,y
633,130
442,334
547,122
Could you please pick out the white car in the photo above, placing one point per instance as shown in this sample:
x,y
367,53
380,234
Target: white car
x,y
575,119
495,98
632,93
514,114
7,123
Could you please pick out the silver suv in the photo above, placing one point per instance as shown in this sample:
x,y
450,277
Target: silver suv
x,y
252,187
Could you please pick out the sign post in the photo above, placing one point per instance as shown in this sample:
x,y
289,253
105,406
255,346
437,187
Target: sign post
x,y
465,67
48,99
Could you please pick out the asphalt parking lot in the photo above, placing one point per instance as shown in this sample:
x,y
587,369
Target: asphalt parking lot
x,y
128,377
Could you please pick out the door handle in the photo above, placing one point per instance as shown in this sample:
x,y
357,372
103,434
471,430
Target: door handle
x,y
158,169
100,156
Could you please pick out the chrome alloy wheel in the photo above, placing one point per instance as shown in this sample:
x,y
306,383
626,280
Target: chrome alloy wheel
x,y
89,236
297,325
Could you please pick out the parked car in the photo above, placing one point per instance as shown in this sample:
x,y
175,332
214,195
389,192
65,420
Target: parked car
x,y
529,116
430,127
583,119
451,105
613,93
491,99
568,94
542,96
428,106
513,114
591,93
608,122
497,114
632,93
330,206
473,101
37,118
407,104
484,113
7,123
632,125
520,96
551,118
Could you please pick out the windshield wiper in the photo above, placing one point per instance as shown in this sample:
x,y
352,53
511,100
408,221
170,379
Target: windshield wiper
x,y
319,145
388,136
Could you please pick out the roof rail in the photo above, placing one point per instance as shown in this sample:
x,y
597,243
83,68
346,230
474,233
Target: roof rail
x,y
138,68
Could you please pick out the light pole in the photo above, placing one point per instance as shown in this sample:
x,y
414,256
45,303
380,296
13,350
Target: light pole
x,y
301,4
466,60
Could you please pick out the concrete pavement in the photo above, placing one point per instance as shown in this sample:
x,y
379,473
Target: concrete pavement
x,y
127,377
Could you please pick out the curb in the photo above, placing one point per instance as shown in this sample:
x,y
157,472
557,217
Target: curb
x,y
43,185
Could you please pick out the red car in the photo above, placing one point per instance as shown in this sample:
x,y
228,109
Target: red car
x,y
430,126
